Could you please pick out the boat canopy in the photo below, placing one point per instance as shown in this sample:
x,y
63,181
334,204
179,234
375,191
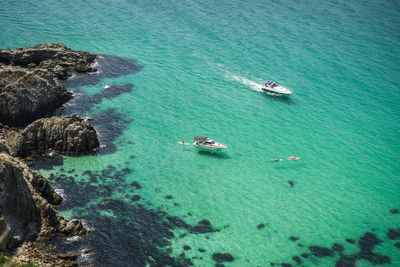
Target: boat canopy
x,y
200,138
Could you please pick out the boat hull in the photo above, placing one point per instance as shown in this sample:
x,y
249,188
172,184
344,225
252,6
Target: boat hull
x,y
278,90
210,148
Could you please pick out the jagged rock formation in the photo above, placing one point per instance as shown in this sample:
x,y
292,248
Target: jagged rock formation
x,y
26,200
69,134
55,57
30,80
31,87
27,94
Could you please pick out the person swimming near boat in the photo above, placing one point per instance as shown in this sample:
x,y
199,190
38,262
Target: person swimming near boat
x,y
275,160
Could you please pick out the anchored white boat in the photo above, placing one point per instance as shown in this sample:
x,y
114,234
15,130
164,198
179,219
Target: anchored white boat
x,y
206,143
272,87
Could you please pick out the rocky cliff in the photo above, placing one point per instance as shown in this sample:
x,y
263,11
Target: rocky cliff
x,y
69,134
30,80
26,201
27,94
31,87
55,57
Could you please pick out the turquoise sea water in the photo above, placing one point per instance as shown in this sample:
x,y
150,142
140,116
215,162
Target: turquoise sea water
x,y
201,66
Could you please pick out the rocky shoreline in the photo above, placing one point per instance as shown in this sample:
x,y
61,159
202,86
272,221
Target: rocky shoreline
x,y
31,87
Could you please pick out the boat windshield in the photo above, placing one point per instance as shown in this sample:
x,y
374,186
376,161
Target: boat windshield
x,y
209,142
270,84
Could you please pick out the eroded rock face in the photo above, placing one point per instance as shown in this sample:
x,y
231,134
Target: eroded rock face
x,y
69,134
55,57
30,80
25,202
16,201
27,94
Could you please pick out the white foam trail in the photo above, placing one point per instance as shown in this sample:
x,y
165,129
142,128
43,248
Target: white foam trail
x,y
251,84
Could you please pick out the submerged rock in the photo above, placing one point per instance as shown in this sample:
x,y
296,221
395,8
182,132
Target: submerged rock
x,y
337,247
346,261
69,134
368,241
394,211
297,259
222,257
393,234
260,226
321,251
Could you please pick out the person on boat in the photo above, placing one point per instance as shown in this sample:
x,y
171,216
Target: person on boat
x,y
183,142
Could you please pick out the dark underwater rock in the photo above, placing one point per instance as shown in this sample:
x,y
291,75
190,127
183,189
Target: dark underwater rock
x,y
321,251
293,238
397,245
350,240
394,211
346,261
202,227
337,247
222,257
202,250
168,197
291,183
297,259
136,185
260,226
393,234
135,198
304,255
186,247
368,241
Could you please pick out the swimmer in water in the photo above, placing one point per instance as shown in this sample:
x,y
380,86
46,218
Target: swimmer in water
x,y
275,160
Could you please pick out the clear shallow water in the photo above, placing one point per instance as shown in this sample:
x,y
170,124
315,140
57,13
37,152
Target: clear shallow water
x,y
202,64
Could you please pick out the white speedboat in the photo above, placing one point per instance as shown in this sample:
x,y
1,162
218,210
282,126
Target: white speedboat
x,y
206,143
272,87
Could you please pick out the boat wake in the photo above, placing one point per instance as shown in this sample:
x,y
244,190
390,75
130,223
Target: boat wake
x,y
251,84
